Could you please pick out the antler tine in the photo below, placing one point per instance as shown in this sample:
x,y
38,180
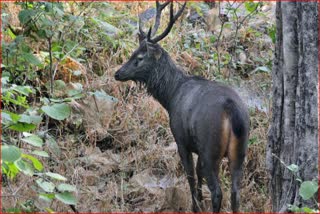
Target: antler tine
x,y
159,8
141,32
173,18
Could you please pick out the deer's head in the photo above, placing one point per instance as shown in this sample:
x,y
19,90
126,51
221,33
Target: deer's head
x,y
144,60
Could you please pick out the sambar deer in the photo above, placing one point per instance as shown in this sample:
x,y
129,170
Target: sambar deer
x,y
206,117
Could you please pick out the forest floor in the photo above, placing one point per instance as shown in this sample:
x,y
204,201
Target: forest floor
x,y
120,153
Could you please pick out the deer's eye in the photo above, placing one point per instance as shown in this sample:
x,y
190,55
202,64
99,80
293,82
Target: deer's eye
x,y
140,58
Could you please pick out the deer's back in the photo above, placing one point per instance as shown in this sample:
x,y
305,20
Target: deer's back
x,y
198,109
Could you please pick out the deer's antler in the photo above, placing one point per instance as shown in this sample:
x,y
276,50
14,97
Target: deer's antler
x,y
173,18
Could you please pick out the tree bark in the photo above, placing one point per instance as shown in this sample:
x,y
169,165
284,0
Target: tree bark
x,y
293,133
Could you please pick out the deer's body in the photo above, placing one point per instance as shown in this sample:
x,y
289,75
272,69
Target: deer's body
x,y
206,118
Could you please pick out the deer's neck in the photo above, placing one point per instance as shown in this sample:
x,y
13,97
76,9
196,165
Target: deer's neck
x,y
165,81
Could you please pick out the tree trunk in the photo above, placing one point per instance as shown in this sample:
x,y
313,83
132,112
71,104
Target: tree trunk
x,y
293,134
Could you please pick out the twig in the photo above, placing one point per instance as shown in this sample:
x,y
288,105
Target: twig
x,y
14,194
50,65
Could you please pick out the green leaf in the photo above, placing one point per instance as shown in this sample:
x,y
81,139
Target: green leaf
x,y
250,6
36,163
40,153
272,31
66,187
308,189
13,117
57,111
213,39
32,59
56,176
263,69
34,140
31,119
53,145
11,34
24,167
293,168
45,185
22,127
293,208
25,15
24,90
66,197
102,94
10,153
308,210
46,196
9,169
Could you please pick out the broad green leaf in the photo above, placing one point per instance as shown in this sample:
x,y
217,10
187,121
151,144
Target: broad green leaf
x,y
308,189
293,168
10,153
53,145
14,117
31,119
22,127
36,163
58,111
55,176
34,140
102,94
45,185
308,210
24,90
9,116
293,208
9,169
40,153
66,187
250,6
5,118
24,167
25,15
32,59
66,197
46,196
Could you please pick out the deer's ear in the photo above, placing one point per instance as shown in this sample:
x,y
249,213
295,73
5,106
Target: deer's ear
x,y
154,50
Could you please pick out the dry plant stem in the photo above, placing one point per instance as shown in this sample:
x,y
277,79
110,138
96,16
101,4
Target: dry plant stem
x,y
238,26
219,38
50,65
7,56
122,195
235,39
14,193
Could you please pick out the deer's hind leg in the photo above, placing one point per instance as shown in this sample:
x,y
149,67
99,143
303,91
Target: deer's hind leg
x,y
236,156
